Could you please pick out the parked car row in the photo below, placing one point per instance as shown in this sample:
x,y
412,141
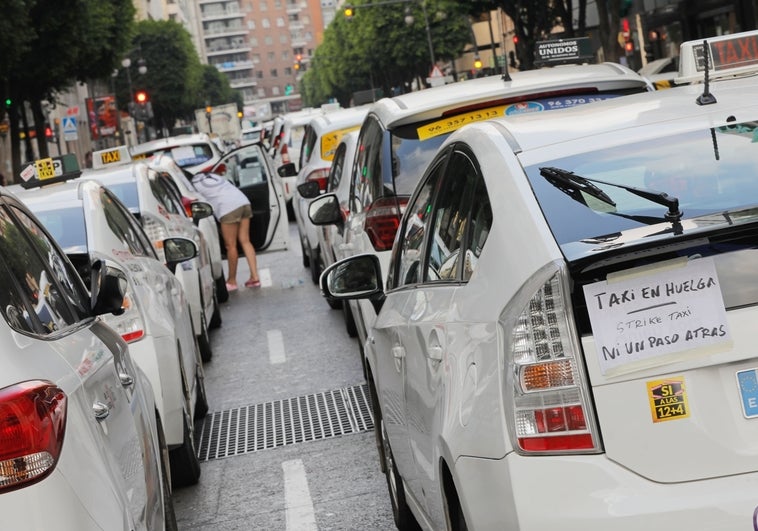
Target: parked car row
x,y
556,309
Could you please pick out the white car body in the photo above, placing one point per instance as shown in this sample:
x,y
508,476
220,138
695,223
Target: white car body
x,y
320,140
208,225
104,471
89,223
147,195
582,356
425,118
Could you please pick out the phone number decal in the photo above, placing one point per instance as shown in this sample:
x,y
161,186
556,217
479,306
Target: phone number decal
x,y
450,124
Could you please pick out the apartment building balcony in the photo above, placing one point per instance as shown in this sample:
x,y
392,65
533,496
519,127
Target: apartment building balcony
x,y
223,49
295,7
225,31
234,66
239,83
231,13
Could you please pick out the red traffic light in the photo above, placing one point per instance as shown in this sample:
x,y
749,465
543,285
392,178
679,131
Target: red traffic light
x,y
141,96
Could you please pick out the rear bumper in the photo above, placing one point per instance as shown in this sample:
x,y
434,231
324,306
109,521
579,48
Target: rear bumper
x,y
592,493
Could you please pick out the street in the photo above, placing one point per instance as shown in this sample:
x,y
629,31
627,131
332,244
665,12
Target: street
x,y
288,443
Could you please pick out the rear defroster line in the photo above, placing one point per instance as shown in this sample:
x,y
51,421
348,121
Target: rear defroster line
x,y
278,423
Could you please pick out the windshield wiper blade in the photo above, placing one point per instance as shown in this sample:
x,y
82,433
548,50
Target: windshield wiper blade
x,y
571,184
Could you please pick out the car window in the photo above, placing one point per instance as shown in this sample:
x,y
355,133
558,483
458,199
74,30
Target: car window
x,y
335,172
416,225
309,141
451,218
163,194
367,167
67,227
41,274
479,227
124,226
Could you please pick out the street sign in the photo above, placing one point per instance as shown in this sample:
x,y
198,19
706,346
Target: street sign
x,y
70,131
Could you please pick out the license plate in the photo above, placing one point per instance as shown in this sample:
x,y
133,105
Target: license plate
x,y
747,381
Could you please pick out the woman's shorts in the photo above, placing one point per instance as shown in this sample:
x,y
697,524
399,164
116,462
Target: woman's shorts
x,y
237,215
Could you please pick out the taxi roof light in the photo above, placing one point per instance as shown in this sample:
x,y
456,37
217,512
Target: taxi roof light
x,y
727,56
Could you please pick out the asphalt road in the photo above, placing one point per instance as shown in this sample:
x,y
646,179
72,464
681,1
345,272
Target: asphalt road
x,y
288,443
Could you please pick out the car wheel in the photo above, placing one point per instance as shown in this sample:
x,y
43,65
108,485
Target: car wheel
x,y
204,340
347,314
169,514
216,317
185,466
306,256
221,292
315,265
201,404
404,519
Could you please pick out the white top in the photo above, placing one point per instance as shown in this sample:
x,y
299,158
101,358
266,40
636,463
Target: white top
x,y
223,196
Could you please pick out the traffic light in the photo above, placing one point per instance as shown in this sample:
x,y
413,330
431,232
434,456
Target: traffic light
x,y
141,97
298,62
8,103
477,63
349,12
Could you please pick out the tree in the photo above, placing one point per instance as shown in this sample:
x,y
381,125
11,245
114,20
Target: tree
x,y
54,44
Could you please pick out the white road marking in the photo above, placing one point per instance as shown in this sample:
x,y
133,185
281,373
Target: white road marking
x,y
264,275
275,347
297,498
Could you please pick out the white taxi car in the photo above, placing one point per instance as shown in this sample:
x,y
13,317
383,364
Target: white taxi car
x,y
81,447
400,135
90,224
194,152
320,140
153,198
566,337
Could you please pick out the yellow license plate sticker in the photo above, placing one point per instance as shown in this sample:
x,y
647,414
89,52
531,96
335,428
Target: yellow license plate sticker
x,y
668,399
451,123
44,168
330,141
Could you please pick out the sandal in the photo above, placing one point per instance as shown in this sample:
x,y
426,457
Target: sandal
x,y
231,287
253,284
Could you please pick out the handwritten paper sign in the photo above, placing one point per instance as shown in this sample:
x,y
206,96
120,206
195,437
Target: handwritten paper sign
x,y
639,318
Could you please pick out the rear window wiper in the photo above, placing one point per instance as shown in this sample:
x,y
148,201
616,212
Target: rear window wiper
x,y
573,185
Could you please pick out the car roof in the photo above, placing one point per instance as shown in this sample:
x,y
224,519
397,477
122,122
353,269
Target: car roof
x,y
428,103
619,121
341,118
55,196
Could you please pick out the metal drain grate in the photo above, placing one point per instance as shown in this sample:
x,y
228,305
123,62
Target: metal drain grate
x,y
293,420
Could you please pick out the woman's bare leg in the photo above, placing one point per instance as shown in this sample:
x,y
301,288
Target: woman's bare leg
x,y
229,232
243,236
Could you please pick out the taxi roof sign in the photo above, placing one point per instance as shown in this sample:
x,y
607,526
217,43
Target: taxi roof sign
x,y
728,55
111,157
50,170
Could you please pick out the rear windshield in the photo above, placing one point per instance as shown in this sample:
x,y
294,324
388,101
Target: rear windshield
x,y
710,171
66,226
414,145
188,155
127,193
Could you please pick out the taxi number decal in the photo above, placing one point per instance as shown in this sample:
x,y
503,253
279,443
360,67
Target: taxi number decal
x,y
47,168
668,399
330,141
141,156
109,157
450,124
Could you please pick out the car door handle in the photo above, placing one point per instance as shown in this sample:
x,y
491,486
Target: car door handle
x,y
126,379
398,352
101,411
434,353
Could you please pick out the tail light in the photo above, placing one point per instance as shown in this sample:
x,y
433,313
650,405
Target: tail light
x,y
320,176
32,425
383,219
157,232
129,324
551,407
187,204
285,152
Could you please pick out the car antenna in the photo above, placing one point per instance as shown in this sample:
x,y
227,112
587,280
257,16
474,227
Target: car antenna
x,y
706,98
506,75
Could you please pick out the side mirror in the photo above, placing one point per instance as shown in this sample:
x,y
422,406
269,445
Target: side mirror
x,y
287,170
325,209
308,189
355,277
200,210
178,250
107,289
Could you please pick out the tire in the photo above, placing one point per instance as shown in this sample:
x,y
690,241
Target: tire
x,y
185,466
347,314
169,514
222,294
315,265
334,304
401,513
306,256
201,404
216,317
204,340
